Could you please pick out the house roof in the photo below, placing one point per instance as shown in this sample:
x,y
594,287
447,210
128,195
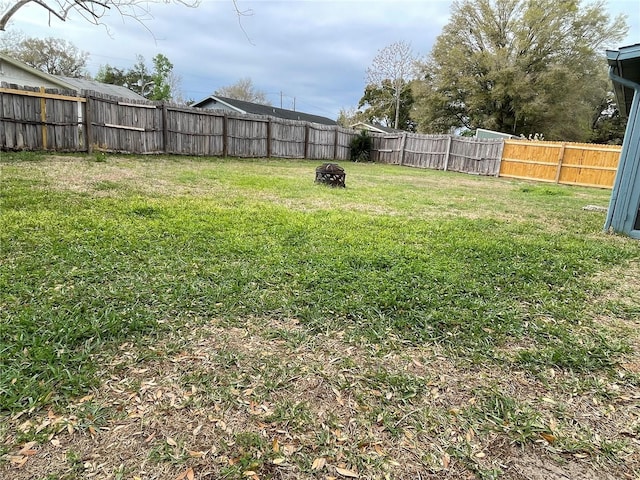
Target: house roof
x,y
242,106
33,71
86,85
77,84
624,70
374,127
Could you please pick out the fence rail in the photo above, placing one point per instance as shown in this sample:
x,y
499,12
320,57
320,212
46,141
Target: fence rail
x,y
49,119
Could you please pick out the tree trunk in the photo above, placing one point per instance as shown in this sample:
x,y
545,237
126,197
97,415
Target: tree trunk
x,y
398,91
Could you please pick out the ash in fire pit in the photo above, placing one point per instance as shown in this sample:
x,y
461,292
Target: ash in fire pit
x,y
331,174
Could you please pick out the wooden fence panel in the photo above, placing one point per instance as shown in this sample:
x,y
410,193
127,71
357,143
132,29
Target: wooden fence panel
x,y
125,126
589,165
62,124
39,119
287,138
424,151
475,155
343,147
190,132
20,119
386,148
567,163
247,136
322,142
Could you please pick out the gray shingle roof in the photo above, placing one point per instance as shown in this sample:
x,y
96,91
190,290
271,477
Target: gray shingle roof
x,y
82,84
258,109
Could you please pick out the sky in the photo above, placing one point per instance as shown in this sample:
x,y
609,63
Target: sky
x,y
311,55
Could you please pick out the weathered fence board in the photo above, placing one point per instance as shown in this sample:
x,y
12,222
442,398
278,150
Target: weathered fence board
x,y
247,136
441,152
287,138
344,137
38,119
567,163
386,148
475,155
427,151
125,126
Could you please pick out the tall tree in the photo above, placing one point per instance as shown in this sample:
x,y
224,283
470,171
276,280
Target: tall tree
x,y
244,89
519,67
385,106
160,77
50,55
391,70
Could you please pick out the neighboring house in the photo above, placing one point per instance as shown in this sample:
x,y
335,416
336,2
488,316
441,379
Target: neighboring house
x,y
215,102
372,127
15,72
623,214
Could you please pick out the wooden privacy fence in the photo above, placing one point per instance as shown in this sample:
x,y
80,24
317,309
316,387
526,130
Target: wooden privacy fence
x,y
440,152
49,119
587,165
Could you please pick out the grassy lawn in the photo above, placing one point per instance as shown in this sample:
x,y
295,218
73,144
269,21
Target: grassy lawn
x,y
216,318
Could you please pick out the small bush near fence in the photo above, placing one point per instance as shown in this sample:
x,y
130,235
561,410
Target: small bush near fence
x,y
361,147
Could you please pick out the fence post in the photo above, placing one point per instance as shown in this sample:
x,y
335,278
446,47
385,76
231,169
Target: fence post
x,y
306,141
269,138
43,119
447,153
165,128
560,160
88,129
403,142
335,144
225,132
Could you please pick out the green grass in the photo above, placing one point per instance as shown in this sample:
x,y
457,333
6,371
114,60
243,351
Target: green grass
x,y
96,253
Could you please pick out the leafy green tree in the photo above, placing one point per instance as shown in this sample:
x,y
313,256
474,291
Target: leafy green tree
x,y
111,75
244,89
50,55
608,126
519,67
383,107
158,84
162,69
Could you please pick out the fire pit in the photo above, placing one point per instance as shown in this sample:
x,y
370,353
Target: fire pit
x,y
331,174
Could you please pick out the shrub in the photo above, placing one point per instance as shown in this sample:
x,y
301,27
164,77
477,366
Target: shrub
x,y
360,146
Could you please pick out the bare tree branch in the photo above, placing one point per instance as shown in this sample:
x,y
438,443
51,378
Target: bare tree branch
x,y
394,63
94,10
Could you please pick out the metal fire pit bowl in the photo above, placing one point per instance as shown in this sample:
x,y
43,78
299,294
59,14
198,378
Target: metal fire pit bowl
x,y
331,174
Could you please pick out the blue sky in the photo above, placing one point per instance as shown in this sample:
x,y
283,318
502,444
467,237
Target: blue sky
x,y
313,51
